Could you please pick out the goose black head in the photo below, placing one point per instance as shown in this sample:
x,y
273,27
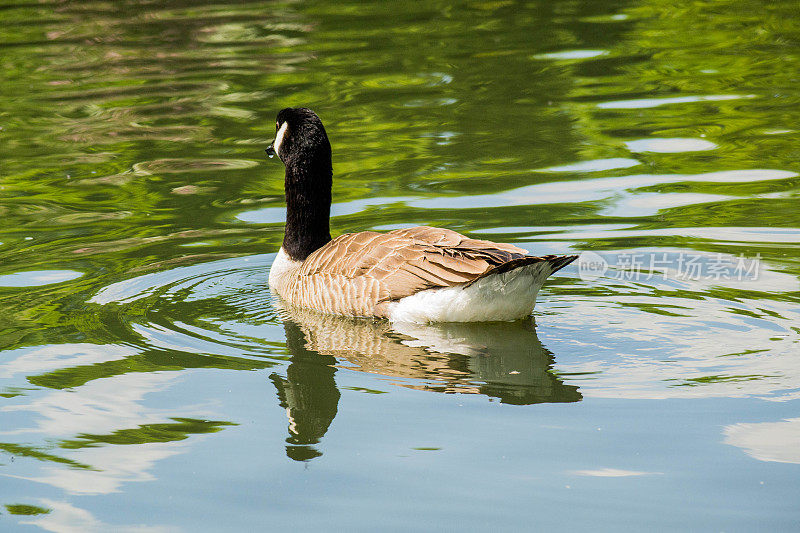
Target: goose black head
x,y
300,138
303,146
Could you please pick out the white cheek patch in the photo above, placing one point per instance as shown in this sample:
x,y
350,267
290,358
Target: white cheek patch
x,y
276,144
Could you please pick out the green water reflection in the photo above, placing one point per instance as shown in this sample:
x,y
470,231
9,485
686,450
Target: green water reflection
x,y
139,347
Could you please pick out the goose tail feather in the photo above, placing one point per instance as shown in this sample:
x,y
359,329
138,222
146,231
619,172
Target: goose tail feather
x,y
555,262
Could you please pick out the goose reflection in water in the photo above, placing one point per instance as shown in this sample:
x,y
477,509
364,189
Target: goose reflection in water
x,y
503,360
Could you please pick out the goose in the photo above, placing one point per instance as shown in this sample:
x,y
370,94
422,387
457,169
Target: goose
x,y
420,275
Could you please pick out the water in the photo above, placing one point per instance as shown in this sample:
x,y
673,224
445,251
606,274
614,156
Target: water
x,y
148,382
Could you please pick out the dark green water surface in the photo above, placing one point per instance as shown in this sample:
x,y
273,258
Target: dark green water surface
x,y
148,381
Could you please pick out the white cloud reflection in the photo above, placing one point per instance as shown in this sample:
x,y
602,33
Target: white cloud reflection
x,y
767,441
669,145
612,472
98,407
42,359
112,466
102,406
66,518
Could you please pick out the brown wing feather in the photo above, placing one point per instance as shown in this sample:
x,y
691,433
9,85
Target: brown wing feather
x,y
356,272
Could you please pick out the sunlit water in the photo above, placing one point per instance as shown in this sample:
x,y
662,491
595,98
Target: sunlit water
x,y
149,382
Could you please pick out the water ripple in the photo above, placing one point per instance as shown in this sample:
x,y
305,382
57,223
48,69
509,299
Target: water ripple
x,y
34,278
165,166
646,103
669,145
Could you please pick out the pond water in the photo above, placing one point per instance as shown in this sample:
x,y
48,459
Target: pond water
x,y
148,381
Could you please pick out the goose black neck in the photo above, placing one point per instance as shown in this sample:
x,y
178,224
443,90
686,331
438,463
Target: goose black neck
x,y
308,205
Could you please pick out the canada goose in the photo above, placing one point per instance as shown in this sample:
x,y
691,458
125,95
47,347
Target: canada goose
x,y
420,274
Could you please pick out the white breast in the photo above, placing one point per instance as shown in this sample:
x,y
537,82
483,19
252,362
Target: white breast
x,y
281,271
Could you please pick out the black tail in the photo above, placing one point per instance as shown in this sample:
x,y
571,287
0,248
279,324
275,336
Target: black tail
x,y
556,262
559,261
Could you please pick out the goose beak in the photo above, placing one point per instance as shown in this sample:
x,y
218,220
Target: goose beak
x,y
271,150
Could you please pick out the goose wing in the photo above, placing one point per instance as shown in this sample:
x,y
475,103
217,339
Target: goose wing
x,y
369,268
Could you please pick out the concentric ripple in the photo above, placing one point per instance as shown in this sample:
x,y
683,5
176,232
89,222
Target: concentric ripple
x,y
220,307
